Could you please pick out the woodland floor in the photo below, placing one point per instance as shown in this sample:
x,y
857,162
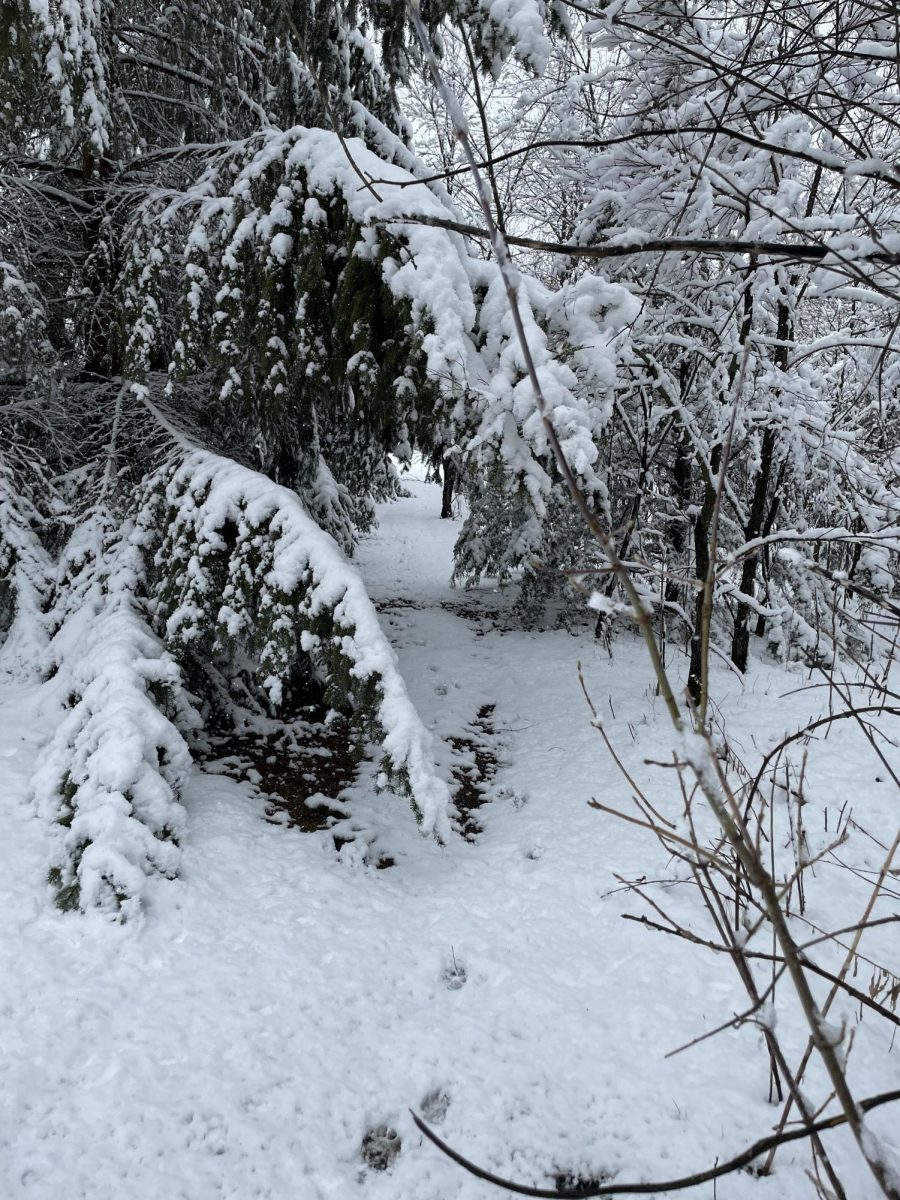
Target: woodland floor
x,y
286,1002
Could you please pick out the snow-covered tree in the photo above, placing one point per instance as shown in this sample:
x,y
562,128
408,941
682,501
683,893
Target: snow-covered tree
x,y
734,175
196,258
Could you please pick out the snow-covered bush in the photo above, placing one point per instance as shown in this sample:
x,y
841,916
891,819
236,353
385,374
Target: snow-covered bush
x,y
64,44
24,344
110,780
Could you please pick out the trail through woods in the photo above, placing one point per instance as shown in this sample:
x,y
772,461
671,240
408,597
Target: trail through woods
x,y
283,998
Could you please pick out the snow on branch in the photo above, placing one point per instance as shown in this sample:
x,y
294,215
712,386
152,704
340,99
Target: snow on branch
x,y
23,326
243,570
264,222
70,35
110,779
288,181
218,564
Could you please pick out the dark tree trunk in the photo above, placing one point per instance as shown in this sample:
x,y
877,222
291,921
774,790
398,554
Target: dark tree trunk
x,y
756,520
449,471
766,530
703,524
702,535
740,640
677,531
101,352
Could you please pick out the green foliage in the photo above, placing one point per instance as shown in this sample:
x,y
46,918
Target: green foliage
x,y
239,604
286,302
502,537
214,591
25,350
68,896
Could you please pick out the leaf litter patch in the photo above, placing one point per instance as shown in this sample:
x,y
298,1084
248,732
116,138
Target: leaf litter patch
x,y
474,770
302,762
305,760
487,617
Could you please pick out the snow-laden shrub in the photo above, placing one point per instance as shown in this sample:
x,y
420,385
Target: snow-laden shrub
x,y
242,574
111,777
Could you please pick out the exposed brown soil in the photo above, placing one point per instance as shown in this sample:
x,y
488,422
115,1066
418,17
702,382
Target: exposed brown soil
x,y
302,764
299,766
486,619
302,768
474,777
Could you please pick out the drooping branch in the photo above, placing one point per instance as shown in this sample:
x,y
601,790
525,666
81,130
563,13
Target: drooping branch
x,y
796,251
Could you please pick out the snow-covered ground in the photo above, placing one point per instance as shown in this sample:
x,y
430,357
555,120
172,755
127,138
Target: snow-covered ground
x,y
280,999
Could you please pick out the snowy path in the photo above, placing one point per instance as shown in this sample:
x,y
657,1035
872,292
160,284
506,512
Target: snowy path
x,y
278,1000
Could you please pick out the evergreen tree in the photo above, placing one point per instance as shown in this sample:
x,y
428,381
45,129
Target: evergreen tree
x,y
187,267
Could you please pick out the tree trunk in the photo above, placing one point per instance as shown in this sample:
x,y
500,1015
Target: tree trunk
x,y
740,640
702,533
677,528
703,524
449,472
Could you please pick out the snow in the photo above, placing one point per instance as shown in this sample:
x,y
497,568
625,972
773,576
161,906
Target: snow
x,y
278,1000
522,23
27,569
